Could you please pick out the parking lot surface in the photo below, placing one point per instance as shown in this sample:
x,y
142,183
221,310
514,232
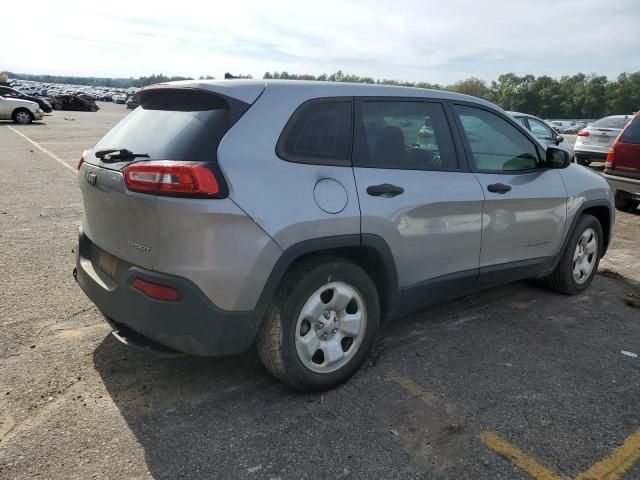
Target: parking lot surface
x,y
515,382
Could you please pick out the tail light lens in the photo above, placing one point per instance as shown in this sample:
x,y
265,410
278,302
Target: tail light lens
x,y
156,291
611,158
183,179
583,133
82,157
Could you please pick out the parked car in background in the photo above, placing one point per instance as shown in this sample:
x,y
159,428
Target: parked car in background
x,y
181,250
622,169
543,131
9,92
593,142
19,110
73,102
560,125
119,99
131,102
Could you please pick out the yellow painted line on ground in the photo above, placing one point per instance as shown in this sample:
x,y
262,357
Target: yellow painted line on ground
x,y
43,150
616,464
526,462
412,387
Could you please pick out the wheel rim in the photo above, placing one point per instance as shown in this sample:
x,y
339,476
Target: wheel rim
x,y
585,256
331,327
23,117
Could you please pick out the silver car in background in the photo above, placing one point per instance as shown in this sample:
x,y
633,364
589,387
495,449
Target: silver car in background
x,y
543,131
296,215
594,141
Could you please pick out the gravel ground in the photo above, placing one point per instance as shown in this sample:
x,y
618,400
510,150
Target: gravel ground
x,y
543,371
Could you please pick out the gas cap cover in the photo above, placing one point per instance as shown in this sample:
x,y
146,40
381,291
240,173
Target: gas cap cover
x,y
330,195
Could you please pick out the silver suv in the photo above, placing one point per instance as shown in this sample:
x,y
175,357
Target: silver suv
x,y
296,215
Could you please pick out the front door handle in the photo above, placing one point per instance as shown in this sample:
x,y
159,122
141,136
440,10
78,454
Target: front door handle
x,y
384,190
499,188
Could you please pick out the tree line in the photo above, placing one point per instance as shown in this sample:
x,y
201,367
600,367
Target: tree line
x,y
574,96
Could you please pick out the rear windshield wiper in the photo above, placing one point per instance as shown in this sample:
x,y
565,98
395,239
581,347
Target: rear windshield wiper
x,y
113,154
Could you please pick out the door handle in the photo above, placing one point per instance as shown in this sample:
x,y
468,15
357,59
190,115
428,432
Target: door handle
x,y
385,190
499,188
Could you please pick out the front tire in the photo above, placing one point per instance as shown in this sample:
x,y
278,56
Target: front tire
x,y
57,106
321,324
624,202
22,116
579,262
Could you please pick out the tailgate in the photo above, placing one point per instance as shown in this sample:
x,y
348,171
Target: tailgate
x,y
601,136
120,222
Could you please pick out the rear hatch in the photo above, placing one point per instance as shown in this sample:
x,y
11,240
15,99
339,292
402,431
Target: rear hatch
x,y
171,124
625,158
604,131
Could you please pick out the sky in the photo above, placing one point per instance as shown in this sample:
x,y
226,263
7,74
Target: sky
x,y
414,40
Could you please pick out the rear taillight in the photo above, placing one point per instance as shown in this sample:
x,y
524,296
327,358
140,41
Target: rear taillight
x,y
611,158
583,133
156,291
172,178
82,157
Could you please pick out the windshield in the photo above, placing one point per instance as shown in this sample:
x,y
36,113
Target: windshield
x,y
611,122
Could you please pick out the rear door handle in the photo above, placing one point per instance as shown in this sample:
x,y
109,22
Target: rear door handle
x,y
499,188
384,190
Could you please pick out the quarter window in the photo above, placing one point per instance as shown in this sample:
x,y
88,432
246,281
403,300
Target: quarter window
x,y
319,132
404,134
496,145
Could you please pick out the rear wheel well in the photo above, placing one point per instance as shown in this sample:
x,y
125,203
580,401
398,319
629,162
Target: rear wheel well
x,y
20,109
366,257
603,215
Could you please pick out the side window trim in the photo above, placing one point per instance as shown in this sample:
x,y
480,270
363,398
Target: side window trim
x,y
467,147
358,127
279,149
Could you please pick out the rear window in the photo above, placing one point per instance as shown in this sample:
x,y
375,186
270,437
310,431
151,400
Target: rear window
x,y
172,126
611,122
632,133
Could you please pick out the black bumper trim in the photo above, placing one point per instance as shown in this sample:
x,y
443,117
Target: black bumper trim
x,y
192,325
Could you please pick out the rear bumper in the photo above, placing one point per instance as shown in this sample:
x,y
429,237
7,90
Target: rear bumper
x,y
586,152
629,185
191,325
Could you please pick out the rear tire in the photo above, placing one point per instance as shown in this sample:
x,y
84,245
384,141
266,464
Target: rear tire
x,y
22,116
579,262
321,325
624,203
583,161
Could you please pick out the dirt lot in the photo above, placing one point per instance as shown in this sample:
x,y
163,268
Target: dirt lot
x,y
515,382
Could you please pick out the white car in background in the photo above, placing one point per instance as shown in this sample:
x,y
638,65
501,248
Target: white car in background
x,y
20,111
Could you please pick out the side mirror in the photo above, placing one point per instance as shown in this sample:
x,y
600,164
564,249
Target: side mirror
x,y
559,139
557,158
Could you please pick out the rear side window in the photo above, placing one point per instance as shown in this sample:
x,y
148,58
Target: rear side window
x,y
632,132
319,132
172,126
496,145
409,135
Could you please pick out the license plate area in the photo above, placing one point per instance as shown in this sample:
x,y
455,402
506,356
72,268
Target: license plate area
x,y
107,263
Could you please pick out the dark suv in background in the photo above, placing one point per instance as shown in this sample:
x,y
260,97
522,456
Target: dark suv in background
x,y
73,102
9,92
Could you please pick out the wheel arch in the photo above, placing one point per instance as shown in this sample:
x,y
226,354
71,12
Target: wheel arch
x,y
20,109
601,209
370,252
